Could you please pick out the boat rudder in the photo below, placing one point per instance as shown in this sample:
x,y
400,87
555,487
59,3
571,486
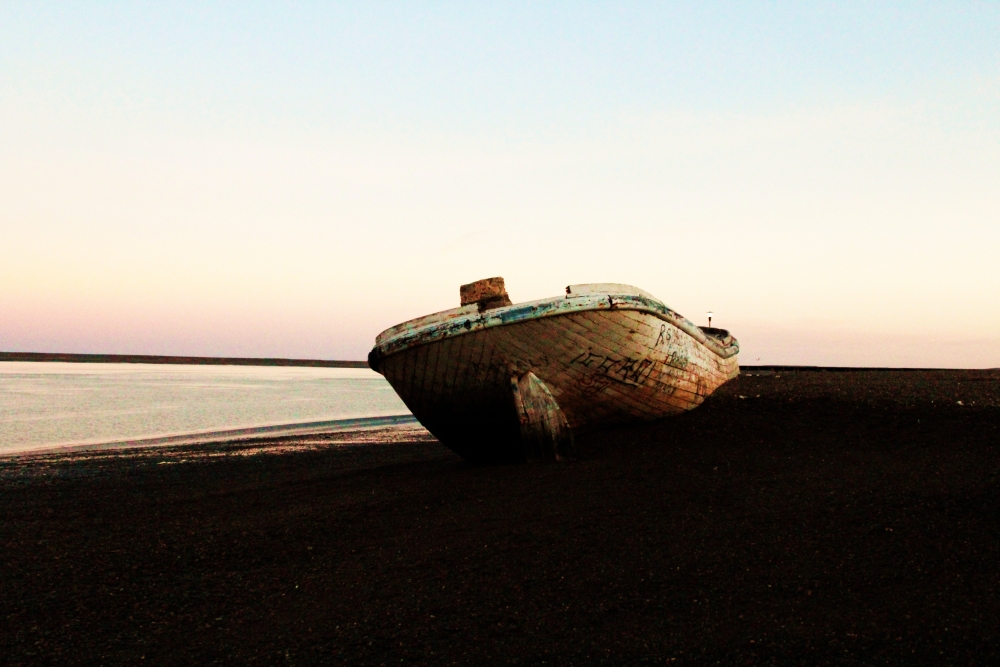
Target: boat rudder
x,y
545,431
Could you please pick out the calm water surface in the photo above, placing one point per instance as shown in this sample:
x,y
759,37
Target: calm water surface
x,y
46,404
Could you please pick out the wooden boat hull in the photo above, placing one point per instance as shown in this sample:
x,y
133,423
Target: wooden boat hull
x,y
481,382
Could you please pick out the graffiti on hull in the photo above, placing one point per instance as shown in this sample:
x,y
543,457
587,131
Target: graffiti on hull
x,y
625,370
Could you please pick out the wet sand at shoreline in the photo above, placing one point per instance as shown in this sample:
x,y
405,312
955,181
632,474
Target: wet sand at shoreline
x,y
796,517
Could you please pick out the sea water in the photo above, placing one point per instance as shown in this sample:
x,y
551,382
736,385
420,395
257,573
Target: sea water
x,y
47,404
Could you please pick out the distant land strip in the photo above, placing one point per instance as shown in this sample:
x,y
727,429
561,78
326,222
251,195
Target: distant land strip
x,y
849,369
161,359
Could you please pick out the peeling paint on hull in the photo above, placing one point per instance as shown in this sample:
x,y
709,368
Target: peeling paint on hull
x,y
604,358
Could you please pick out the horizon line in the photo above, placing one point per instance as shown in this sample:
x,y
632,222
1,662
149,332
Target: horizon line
x,y
341,363
175,359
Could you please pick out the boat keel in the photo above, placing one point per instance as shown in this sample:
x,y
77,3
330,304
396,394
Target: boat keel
x,y
545,432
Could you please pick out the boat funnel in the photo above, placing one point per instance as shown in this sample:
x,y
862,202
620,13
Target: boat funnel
x,y
488,293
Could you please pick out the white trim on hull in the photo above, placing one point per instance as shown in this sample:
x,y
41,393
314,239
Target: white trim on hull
x,y
600,359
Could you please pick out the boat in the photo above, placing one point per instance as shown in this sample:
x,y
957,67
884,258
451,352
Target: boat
x,y
496,381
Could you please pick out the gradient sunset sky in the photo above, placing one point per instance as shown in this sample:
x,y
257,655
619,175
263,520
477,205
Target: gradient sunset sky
x,y
288,179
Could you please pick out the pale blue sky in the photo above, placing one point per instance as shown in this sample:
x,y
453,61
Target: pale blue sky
x,y
505,67
287,180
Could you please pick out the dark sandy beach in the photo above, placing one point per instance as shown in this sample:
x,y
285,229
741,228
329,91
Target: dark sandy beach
x,y
795,518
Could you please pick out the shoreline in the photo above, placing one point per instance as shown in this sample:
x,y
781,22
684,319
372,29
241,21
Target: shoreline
x,y
61,462
355,424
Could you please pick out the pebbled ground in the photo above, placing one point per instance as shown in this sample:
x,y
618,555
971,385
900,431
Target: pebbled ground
x,y
797,517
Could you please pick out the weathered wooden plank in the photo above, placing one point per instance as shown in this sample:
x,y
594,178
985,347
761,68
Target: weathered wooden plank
x,y
600,347
682,378
611,348
585,342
